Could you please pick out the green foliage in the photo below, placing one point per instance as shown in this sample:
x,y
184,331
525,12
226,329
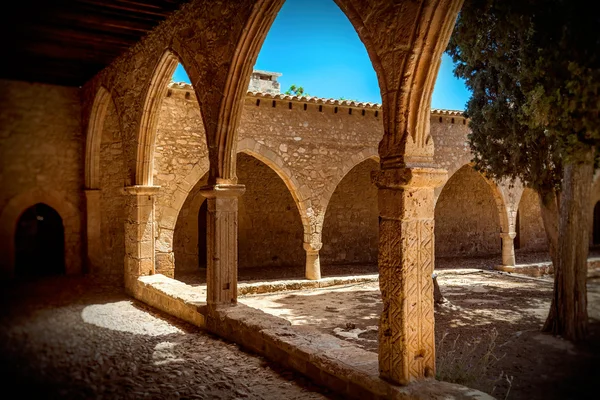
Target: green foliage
x,y
296,91
534,69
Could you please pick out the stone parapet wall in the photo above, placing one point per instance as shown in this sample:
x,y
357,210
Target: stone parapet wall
x,y
312,144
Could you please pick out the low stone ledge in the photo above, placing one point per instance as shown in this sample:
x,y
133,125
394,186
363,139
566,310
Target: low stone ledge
x,y
173,297
325,359
261,287
537,270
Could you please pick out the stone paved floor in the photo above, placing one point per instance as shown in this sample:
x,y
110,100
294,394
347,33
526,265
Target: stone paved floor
x,y
71,338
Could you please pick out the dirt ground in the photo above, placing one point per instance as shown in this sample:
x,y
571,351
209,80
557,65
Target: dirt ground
x,y
71,338
487,332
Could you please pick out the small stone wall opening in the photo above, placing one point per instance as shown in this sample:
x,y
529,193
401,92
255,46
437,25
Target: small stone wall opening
x,y
466,217
351,227
39,243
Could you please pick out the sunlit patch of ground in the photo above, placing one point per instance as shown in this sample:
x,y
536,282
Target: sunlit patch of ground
x,y
487,332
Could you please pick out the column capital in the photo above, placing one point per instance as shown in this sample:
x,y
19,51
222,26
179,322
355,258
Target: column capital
x,y
312,247
221,190
409,176
508,235
141,190
92,194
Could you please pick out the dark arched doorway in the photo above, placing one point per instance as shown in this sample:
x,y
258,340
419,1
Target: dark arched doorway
x,y
39,243
597,224
202,234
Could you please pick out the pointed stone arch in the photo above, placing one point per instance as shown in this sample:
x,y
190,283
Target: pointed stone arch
x,y
470,215
347,165
300,194
499,198
94,137
153,98
67,211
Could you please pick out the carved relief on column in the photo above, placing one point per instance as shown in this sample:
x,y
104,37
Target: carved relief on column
x,y
313,263
406,262
93,229
139,233
222,242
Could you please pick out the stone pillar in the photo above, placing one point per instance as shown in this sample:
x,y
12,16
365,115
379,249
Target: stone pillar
x,y
93,230
313,263
406,261
508,251
222,242
139,233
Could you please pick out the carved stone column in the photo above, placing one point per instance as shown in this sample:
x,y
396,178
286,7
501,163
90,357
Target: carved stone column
x,y
139,233
508,249
93,229
222,242
406,262
313,263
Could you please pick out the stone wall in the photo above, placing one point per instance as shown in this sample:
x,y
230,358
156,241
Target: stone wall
x,y
112,197
449,131
311,145
466,217
180,161
269,227
41,161
185,239
532,236
351,227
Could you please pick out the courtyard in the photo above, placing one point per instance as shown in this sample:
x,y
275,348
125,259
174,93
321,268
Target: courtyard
x,y
74,337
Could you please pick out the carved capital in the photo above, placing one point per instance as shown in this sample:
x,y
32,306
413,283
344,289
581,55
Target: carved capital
x,y
508,235
409,177
92,193
142,190
312,247
221,190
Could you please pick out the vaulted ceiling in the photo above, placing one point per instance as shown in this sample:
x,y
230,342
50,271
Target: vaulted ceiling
x,y
67,42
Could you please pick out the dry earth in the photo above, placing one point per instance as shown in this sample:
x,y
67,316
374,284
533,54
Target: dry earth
x,y
70,338
487,333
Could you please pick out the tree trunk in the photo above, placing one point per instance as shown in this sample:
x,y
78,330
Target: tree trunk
x,y
568,313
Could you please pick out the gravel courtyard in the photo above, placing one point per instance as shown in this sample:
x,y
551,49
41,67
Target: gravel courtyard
x,y
70,338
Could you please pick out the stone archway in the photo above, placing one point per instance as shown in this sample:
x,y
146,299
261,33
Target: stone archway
x,y
39,243
270,232
532,235
350,227
467,222
71,222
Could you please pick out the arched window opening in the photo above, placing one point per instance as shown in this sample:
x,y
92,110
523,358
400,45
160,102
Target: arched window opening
x,y
39,243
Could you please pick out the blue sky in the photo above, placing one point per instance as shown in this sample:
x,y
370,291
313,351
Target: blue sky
x,y
313,45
